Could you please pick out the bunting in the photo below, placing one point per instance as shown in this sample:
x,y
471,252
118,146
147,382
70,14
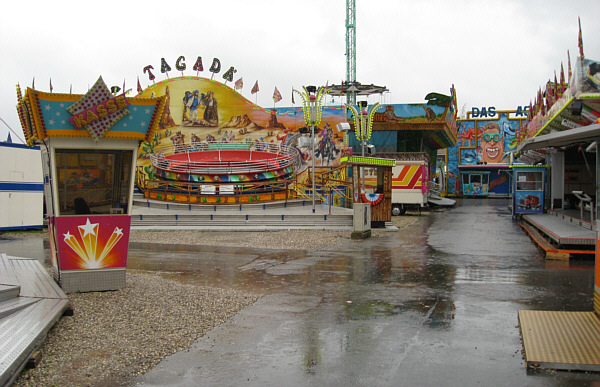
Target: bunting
x,y
239,84
293,96
580,41
255,88
276,95
51,88
139,87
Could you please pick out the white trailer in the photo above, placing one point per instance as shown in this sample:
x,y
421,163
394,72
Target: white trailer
x,y
21,187
410,185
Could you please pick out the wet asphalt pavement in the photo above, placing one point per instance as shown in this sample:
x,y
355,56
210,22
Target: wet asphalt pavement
x,y
434,304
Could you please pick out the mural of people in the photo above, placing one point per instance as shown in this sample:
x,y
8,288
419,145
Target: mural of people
x,y
326,149
186,113
193,103
491,143
211,114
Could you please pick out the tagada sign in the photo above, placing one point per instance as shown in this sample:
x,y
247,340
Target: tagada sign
x,y
98,110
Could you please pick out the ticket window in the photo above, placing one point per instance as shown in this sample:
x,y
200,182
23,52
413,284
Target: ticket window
x,y
530,181
93,181
475,183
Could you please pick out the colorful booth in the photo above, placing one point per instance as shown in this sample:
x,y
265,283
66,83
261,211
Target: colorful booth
x,y
89,148
372,184
528,189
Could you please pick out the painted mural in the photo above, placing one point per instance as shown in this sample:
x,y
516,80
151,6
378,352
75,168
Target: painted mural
x,y
200,111
487,138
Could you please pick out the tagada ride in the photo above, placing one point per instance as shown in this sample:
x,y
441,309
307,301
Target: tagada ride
x,y
222,173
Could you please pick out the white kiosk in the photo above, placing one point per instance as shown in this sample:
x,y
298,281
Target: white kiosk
x,y
89,148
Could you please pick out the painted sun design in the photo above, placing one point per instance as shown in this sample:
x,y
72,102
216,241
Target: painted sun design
x,y
86,246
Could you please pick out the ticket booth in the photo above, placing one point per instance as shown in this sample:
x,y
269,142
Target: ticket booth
x,y
372,183
528,189
89,149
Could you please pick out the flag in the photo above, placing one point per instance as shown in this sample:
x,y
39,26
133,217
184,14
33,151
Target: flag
x,y
51,85
123,86
139,87
33,83
239,84
276,95
71,89
570,71
563,86
580,42
255,88
9,139
293,95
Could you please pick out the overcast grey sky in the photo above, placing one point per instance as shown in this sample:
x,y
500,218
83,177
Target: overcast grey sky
x,y
496,53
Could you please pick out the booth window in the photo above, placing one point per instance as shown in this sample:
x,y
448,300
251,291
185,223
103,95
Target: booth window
x,y
530,180
475,178
93,181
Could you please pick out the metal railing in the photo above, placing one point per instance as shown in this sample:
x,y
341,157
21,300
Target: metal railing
x,y
261,157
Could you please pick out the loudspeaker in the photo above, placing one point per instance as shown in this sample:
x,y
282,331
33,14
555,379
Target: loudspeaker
x,y
576,108
370,149
343,127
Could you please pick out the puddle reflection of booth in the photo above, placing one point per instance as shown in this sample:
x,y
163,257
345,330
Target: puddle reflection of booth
x,y
89,153
528,189
375,175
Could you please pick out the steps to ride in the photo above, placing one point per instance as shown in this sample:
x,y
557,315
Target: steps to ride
x,y
293,214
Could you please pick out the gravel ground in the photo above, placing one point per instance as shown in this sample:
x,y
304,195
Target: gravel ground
x,y
114,336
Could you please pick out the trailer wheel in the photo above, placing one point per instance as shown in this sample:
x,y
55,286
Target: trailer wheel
x,y
398,209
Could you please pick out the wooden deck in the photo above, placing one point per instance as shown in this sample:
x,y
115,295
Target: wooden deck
x,y
30,304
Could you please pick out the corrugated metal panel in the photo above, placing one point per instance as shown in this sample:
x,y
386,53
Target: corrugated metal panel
x,y
34,280
7,276
26,316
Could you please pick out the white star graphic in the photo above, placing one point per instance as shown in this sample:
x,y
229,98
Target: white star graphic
x,y
47,107
58,114
51,122
125,125
142,124
118,231
135,108
147,111
68,235
88,228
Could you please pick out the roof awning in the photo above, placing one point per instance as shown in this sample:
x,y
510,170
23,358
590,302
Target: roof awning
x,y
572,136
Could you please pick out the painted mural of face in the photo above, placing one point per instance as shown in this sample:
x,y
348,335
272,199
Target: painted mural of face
x,y
492,143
